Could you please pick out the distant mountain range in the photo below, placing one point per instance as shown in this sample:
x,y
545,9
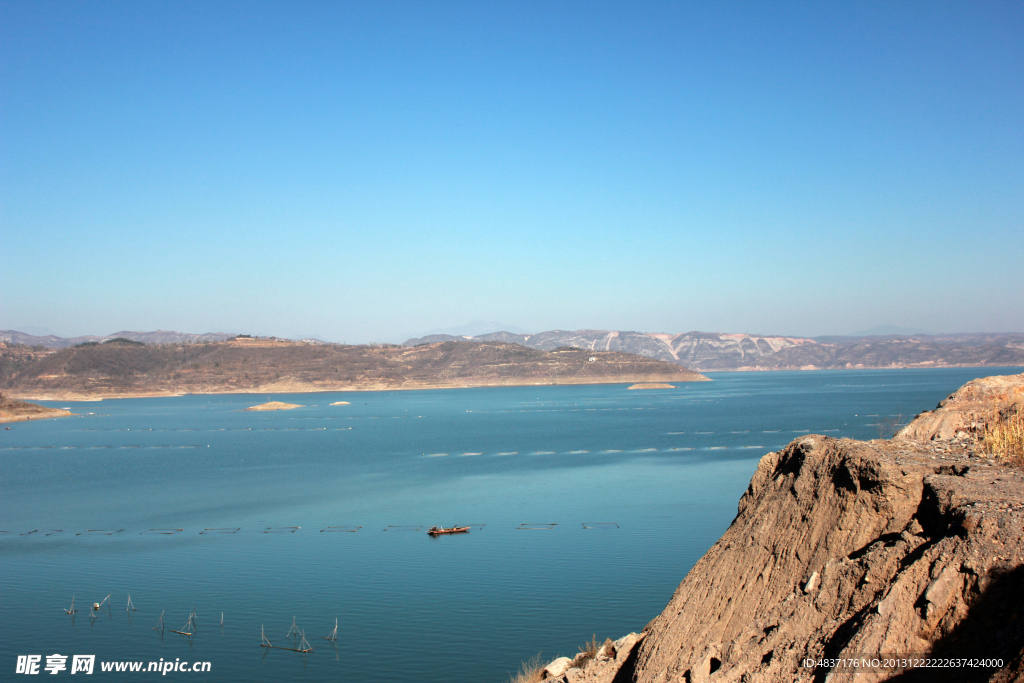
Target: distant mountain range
x,y
708,351
698,351
52,341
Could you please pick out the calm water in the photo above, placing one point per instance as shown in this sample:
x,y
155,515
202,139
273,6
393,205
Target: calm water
x,y
638,484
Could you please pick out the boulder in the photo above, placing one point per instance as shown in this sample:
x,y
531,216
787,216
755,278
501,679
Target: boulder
x,y
556,668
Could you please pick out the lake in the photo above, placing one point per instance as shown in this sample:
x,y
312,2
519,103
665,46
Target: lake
x,y
588,505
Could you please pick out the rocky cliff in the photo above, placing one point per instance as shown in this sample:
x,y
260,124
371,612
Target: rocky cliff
x,y
845,550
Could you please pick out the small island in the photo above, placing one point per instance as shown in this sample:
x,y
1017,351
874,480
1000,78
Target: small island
x,y
652,385
275,405
12,410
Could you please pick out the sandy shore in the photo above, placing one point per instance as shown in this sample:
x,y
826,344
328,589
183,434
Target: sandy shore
x,y
294,387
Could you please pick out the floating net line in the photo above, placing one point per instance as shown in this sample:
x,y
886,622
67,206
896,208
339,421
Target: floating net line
x,y
343,528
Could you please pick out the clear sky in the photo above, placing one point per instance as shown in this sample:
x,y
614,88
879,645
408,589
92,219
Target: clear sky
x,y
367,171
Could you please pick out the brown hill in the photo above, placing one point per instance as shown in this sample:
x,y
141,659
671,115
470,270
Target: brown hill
x,y
109,370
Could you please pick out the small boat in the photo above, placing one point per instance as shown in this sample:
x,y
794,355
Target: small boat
x,y
438,530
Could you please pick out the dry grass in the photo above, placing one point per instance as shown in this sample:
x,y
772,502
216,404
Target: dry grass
x,y
587,652
529,671
1005,440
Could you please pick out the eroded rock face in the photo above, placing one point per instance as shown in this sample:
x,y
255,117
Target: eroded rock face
x,y
968,411
842,548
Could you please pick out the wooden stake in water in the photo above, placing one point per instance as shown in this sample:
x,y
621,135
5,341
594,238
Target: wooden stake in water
x,y
294,629
71,610
97,605
222,619
266,642
303,645
188,628
130,607
160,624
333,635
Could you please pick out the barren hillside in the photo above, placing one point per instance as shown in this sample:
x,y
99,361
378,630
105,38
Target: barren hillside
x,y
249,365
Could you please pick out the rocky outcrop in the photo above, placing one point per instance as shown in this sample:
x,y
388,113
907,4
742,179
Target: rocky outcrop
x,y
858,551
612,662
968,411
843,548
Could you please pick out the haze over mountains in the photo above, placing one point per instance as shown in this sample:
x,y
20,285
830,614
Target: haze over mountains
x,y
708,351
698,351
52,341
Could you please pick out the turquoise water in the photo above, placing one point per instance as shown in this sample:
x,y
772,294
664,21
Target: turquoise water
x,y
637,485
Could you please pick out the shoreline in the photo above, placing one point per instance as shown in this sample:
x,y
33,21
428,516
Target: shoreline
x,y
307,389
301,388
815,368
30,411
56,413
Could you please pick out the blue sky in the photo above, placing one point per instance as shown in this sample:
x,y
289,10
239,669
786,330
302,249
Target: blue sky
x,y
370,171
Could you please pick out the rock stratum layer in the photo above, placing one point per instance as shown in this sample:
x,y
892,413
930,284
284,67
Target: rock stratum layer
x,y
841,549
249,365
706,351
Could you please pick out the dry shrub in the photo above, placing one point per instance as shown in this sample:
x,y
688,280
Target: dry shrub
x,y
530,671
1005,440
587,652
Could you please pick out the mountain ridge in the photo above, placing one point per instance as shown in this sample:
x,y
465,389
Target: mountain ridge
x,y
695,350
710,351
250,365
